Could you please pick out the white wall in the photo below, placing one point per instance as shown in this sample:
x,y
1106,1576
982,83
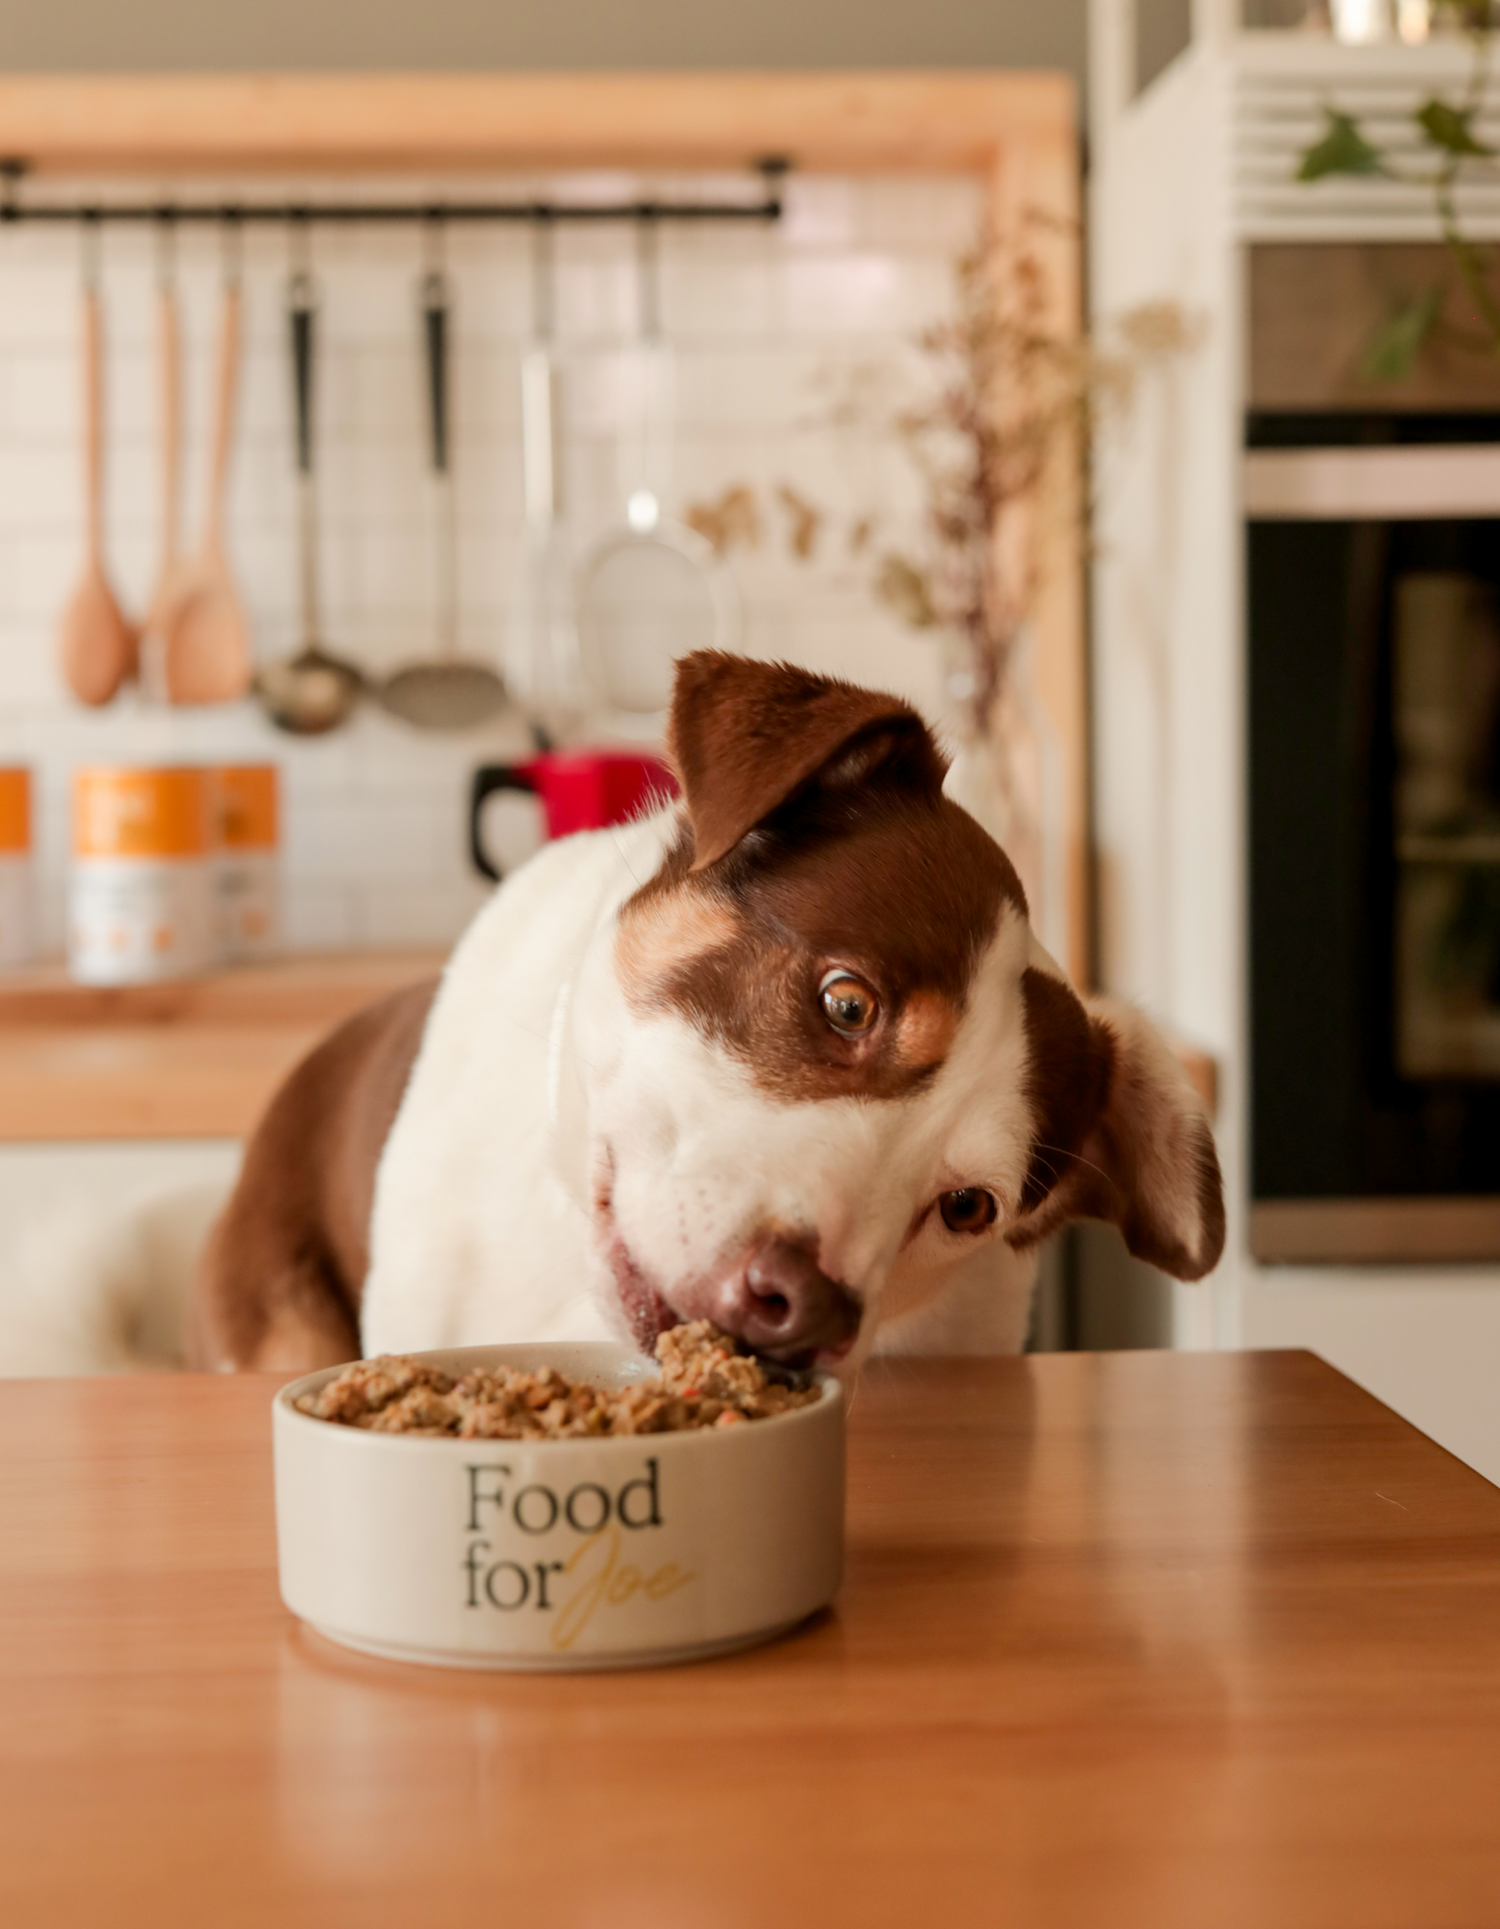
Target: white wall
x,y
186,35
762,321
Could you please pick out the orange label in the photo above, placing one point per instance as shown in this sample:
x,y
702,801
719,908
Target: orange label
x,y
15,811
141,813
249,810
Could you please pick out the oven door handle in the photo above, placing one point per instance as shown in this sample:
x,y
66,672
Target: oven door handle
x,y
1407,483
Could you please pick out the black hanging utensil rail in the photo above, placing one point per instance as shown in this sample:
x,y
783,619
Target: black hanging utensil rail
x,y
768,208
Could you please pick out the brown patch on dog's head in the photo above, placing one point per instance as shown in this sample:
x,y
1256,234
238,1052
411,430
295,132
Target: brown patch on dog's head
x,y
924,1032
817,839
745,736
1119,1133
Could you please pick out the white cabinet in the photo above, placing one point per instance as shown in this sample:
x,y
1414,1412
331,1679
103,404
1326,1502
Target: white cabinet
x,y
1188,175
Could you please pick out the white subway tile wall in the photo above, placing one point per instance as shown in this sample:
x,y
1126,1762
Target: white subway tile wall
x,y
766,324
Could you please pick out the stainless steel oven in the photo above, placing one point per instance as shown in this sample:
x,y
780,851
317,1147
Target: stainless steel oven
x,y
1374,774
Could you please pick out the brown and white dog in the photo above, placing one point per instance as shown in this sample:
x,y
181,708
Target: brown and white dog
x,y
786,1056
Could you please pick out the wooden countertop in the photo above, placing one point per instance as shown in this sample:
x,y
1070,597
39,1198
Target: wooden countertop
x,y
1150,1641
200,1059
197,1059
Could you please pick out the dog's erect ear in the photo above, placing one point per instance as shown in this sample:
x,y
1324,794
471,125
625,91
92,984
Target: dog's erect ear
x,y
1119,1133
746,736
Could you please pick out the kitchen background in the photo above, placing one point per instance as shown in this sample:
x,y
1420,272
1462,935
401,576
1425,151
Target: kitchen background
x,y
765,321
1194,129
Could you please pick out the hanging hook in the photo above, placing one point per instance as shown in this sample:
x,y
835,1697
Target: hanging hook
x,y
648,273
434,258
91,246
299,258
232,248
435,239
543,292
166,249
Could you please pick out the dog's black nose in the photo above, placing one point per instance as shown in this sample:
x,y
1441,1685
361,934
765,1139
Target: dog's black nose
x,y
780,1304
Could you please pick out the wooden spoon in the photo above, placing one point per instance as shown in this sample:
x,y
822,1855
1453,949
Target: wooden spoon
x,y
208,654
97,643
166,599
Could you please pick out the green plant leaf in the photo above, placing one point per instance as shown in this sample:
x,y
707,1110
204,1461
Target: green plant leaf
x,y
1449,128
1397,342
1342,150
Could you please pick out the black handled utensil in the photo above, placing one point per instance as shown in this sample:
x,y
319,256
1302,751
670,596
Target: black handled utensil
x,y
451,691
314,690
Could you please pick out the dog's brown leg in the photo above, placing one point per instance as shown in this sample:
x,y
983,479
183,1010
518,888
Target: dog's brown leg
x,y
290,1318
279,1284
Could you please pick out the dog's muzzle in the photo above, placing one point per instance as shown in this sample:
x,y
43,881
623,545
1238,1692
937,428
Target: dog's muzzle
x,y
780,1303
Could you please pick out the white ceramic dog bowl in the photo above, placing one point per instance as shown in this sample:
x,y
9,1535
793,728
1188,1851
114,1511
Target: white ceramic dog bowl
x,y
610,1553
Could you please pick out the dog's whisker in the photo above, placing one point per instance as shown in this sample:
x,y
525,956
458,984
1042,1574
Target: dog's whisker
x,y
620,853
1078,1159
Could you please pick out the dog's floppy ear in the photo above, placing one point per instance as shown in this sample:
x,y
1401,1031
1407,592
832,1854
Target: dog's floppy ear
x,y
1119,1133
746,736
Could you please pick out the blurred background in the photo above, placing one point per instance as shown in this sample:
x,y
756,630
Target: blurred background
x,y
1221,269
163,36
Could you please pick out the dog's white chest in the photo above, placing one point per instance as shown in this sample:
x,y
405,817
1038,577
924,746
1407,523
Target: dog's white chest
x,y
480,1230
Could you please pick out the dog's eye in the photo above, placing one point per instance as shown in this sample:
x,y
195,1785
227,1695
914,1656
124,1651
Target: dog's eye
x,y
970,1209
848,1005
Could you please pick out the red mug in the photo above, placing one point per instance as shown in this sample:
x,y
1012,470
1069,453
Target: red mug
x,y
579,790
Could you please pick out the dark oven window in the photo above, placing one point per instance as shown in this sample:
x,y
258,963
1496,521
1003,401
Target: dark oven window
x,y
1374,766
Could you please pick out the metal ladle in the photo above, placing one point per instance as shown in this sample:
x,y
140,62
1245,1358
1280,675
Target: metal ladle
x,y
314,690
541,662
451,691
651,589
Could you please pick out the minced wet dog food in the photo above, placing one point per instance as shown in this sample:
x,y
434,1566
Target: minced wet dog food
x,y
705,1381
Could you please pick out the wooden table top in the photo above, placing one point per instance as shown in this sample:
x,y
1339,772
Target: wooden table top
x,y
1126,1639
196,1058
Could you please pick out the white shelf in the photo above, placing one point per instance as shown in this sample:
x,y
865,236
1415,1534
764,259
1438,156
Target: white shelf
x,y
1271,88
1281,85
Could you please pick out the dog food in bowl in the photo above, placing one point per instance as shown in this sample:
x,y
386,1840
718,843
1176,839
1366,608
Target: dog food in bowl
x,y
622,1520
705,1381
